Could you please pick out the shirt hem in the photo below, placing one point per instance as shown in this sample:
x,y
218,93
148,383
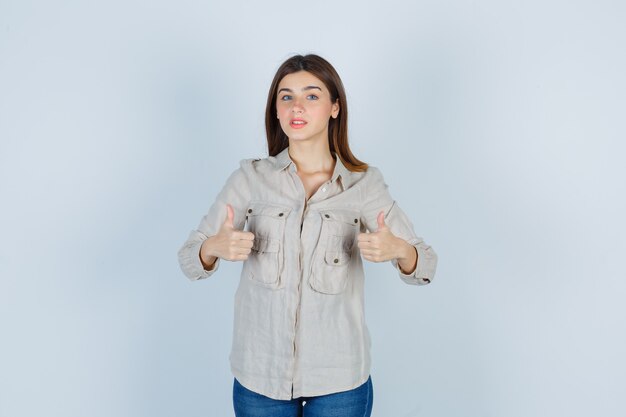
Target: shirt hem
x,y
318,393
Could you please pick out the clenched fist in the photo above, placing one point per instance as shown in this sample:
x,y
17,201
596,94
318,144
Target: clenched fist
x,y
228,243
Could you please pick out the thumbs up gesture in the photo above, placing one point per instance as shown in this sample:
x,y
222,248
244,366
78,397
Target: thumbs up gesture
x,y
228,243
381,245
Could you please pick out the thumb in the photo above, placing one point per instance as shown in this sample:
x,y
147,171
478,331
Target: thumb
x,y
381,220
230,215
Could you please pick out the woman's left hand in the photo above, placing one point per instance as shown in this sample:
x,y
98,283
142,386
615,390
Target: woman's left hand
x,y
382,245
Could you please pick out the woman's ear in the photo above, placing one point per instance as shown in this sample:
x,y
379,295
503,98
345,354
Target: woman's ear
x,y
335,111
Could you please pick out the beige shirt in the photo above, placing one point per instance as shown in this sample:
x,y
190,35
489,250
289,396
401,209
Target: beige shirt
x,y
299,325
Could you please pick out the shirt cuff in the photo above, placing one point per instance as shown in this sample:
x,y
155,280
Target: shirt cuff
x,y
196,269
426,264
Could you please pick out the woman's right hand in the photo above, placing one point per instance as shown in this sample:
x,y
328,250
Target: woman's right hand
x,y
228,243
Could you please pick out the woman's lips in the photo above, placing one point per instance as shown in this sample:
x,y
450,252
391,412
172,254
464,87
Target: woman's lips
x,y
297,124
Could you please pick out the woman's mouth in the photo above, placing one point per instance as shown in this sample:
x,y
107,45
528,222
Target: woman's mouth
x,y
297,123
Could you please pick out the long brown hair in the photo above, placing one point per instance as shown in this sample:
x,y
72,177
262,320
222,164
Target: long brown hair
x,y
277,140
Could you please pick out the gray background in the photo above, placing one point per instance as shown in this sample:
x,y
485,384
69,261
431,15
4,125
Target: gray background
x,y
498,127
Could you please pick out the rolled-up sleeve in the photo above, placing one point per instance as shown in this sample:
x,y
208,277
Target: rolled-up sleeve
x,y
236,192
376,198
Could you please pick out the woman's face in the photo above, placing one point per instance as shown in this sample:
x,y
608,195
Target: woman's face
x,y
303,107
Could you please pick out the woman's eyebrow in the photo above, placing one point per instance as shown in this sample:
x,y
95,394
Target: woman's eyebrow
x,y
308,87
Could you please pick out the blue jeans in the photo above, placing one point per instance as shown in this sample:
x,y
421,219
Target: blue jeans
x,y
356,402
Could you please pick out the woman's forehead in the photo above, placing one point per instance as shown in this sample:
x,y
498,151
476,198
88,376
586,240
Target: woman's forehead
x,y
299,80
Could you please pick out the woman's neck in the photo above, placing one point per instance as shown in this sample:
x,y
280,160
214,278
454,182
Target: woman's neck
x,y
311,159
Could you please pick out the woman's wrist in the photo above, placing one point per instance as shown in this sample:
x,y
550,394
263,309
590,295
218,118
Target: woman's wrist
x,y
206,258
408,259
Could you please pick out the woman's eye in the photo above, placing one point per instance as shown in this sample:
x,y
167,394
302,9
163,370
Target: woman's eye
x,y
314,96
285,96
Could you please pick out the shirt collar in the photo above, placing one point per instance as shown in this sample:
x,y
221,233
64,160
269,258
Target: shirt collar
x,y
283,160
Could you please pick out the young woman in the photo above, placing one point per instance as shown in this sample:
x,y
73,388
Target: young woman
x,y
302,220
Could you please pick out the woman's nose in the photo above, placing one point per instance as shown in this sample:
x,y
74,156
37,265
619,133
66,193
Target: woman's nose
x,y
297,107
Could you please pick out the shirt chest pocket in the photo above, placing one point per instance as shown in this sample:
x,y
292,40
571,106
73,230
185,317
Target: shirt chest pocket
x,y
266,259
331,270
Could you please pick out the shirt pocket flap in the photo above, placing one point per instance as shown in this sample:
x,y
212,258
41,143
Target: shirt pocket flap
x,y
336,258
265,209
349,217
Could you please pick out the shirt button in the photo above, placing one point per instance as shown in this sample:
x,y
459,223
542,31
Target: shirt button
x,y
249,210
335,260
327,216
324,189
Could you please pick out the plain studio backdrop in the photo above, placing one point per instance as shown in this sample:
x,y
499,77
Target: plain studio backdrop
x,y
499,128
